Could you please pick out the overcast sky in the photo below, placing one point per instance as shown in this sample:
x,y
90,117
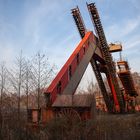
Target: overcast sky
x,y
47,26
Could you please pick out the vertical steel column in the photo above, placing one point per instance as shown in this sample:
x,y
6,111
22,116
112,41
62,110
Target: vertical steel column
x,y
107,56
101,84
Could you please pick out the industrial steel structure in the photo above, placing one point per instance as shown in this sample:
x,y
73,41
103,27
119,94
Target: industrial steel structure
x,y
92,49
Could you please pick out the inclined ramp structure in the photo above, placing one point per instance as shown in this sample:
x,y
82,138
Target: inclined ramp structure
x,y
92,49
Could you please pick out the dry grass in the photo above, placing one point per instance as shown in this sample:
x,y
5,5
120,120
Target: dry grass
x,y
105,127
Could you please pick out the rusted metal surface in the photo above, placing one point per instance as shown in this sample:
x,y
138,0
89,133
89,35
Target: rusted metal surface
x,y
115,47
126,78
79,21
34,115
73,101
47,114
84,105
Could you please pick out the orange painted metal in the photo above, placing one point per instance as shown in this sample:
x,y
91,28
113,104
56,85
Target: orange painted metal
x,y
115,48
62,77
46,115
86,115
126,78
114,94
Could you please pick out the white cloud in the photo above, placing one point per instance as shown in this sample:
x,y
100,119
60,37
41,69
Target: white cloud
x,y
44,12
122,29
135,4
133,42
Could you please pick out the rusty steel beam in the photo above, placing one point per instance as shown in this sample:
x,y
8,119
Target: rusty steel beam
x,y
118,99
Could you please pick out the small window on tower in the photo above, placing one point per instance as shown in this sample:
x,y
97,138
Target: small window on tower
x,y
84,49
78,58
88,43
70,72
59,87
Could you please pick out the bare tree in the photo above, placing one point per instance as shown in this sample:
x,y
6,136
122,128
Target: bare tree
x,y
27,82
3,75
16,78
42,73
2,88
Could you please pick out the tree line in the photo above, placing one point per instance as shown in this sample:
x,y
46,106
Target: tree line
x,y
21,88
